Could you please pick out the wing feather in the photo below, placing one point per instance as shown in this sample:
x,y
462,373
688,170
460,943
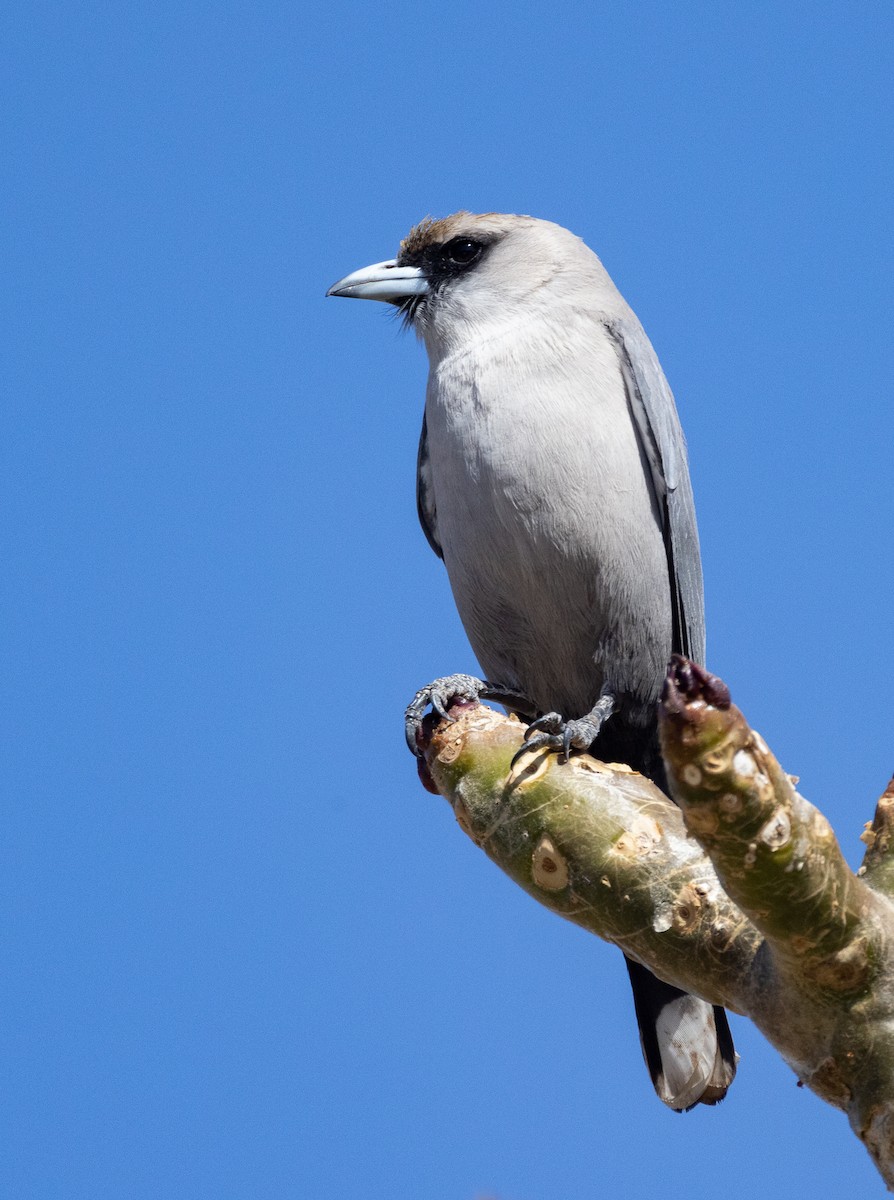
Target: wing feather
x,y
655,416
425,500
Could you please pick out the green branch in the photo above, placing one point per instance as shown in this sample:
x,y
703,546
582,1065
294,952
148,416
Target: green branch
x,y
740,895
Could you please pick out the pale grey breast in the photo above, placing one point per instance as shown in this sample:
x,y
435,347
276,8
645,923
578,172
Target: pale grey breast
x,y
547,518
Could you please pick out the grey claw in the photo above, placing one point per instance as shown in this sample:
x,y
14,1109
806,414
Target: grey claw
x,y
439,695
566,742
440,705
539,741
550,722
552,731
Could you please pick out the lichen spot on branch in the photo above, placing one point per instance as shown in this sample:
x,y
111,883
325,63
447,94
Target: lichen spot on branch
x,y
687,907
778,830
549,869
640,839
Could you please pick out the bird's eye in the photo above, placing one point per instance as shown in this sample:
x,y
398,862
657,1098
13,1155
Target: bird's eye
x,y
461,251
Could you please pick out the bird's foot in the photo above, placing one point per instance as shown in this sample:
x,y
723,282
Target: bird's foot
x,y
446,691
553,732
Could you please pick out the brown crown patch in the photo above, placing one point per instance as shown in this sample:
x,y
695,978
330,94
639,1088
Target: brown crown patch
x,y
431,231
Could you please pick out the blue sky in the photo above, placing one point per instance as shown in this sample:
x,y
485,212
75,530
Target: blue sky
x,y
247,956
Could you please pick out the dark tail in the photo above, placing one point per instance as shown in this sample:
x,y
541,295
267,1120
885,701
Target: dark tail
x,y
686,1042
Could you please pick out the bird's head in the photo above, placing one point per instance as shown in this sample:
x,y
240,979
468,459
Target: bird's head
x,y
460,276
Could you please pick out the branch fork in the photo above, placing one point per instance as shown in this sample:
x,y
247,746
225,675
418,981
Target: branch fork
x,y
738,893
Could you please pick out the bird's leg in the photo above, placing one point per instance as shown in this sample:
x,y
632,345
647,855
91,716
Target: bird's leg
x,y
442,692
553,732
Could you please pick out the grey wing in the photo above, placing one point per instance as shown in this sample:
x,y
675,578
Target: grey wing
x,y
655,416
425,500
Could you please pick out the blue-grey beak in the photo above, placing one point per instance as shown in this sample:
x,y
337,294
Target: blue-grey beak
x,y
382,281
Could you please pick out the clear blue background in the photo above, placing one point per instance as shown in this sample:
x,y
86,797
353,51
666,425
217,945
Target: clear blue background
x,y
246,955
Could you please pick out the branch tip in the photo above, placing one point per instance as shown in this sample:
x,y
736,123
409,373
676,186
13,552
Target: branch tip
x,y
687,682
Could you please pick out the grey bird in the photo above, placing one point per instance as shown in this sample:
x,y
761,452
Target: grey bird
x,y
553,481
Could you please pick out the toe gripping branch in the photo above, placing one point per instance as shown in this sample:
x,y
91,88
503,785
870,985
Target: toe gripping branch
x,y
553,732
550,731
450,690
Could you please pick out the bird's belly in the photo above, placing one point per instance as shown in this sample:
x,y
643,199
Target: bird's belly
x,y
532,628
553,547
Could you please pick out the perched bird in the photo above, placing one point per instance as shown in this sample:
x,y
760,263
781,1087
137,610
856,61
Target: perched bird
x,y
553,481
